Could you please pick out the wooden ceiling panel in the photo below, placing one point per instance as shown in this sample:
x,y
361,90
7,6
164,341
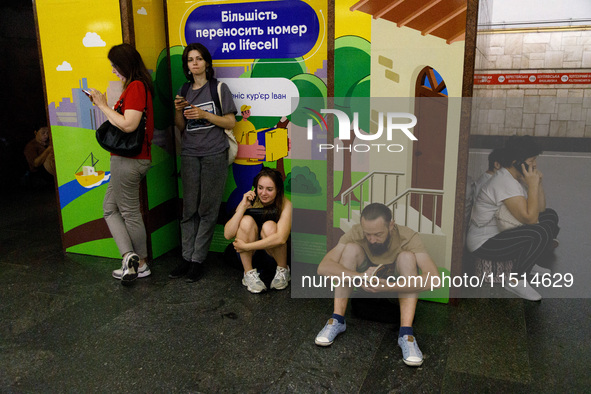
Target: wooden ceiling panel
x,y
370,6
402,10
442,18
415,13
452,27
441,13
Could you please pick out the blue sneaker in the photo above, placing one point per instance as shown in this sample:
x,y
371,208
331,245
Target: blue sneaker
x,y
329,332
411,354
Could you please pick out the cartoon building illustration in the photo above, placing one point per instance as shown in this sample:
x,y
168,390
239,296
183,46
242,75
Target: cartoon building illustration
x,y
406,59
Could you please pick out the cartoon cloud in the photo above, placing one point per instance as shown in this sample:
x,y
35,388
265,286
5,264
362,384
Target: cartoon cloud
x,y
93,40
65,66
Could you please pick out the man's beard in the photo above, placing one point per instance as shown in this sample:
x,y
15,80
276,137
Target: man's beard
x,y
378,249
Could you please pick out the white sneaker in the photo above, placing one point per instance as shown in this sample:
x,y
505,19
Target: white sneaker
x,y
281,279
411,354
536,269
253,283
131,262
523,290
331,329
142,272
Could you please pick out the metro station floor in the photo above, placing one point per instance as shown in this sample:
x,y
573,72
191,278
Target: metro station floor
x,y
67,326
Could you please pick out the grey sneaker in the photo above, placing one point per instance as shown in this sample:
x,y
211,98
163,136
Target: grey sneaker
x,y
281,279
330,331
131,263
536,269
142,272
411,354
253,283
523,290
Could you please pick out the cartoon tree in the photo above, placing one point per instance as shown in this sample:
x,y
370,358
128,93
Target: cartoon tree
x,y
176,73
294,69
162,101
352,59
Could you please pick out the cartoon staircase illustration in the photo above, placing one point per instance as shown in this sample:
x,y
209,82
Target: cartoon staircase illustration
x,y
383,187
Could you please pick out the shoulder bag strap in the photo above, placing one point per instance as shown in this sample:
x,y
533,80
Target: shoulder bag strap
x,y
185,89
213,90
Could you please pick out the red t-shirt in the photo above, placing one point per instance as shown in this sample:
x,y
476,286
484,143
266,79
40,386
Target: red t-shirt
x,y
134,97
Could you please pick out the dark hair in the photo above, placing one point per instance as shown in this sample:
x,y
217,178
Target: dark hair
x,y
206,56
128,62
496,156
519,148
377,210
39,125
277,179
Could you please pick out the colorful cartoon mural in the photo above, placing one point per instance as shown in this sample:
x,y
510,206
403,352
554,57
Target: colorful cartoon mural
x,y
273,56
74,45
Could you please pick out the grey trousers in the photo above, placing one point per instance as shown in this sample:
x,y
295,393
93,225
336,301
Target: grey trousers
x,y
203,180
121,206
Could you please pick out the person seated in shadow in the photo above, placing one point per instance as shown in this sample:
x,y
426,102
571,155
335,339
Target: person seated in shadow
x,y
39,155
262,221
517,188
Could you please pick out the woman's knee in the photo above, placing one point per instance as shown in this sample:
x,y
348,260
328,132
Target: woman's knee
x,y
537,236
109,208
269,228
247,225
108,212
550,218
132,215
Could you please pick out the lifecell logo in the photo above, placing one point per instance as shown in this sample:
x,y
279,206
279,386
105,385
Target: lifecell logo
x,y
344,124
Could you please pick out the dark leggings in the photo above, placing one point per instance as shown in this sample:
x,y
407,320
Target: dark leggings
x,y
524,244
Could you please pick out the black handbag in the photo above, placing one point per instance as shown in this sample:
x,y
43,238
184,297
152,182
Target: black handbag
x,y
112,139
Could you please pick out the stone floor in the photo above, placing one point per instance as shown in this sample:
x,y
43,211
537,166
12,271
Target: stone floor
x,y
67,326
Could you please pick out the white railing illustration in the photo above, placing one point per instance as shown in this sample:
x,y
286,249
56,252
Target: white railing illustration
x,y
369,178
437,194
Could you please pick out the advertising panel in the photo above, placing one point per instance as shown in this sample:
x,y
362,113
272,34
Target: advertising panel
x,y
268,53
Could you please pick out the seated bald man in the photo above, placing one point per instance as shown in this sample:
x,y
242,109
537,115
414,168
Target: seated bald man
x,y
376,241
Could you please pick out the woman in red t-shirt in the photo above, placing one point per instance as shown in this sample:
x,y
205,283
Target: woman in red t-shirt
x,y
122,203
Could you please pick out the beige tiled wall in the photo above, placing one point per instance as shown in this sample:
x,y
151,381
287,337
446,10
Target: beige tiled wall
x,y
539,110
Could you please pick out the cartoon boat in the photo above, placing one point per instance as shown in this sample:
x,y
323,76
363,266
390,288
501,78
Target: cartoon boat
x,y
89,177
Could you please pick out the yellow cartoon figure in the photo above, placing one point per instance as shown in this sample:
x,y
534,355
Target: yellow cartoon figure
x,y
252,154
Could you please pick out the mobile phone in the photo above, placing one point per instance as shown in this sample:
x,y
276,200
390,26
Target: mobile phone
x,y
256,195
87,92
518,164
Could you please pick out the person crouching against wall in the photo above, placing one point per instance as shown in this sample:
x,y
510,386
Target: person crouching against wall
x,y
262,221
